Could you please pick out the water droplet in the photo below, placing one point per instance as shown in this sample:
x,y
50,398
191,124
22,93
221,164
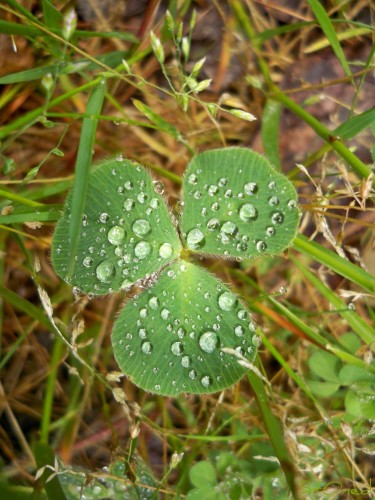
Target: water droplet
x,y
206,381
195,239
260,246
292,204
158,187
87,261
212,190
165,313
215,206
192,374
142,333
351,306
120,190
273,201
153,303
181,332
222,182
228,193
227,301
239,330
128,204
142,249
241,247
141,227
165,250
115,235
104,217
185,361
213,224
250,188
229,228
146,347
126,284
241,314
143,312
248,212
157,387
256,340
142,197
208,342
197,195
270,231
105,271
154,203
277,218
192,179
177,348
128,185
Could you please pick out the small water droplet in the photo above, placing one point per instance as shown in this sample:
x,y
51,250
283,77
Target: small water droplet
x,y
270,231
141,227
351,306
87,261
158,187
272,185
292,204
260,246
212,190
229,228
177,348
228,193
250,188
128,185
142,249
142,333
105,271
215,206
206,381
165,250
241,247
192,179
146,347
157,387
223,181
213,224
128,204
227,301
208,342
197,195
126,284
153,303
248,212
239,330
142,197
195,239
241,314
277,218
192,374
185,361
104,217
165,313
154,203
273,201
116,235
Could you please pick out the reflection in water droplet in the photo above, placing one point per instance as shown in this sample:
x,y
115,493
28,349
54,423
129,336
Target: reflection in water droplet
x,y
248,212
165,313
239,330
87,261
177,348
292,204
206,381
185,361
153,303
105,271
229,228
141,227
260,246
213,224
128,204
146,347
212,190
192,179
250,188
104,217
273,201
193,374
208,342
227,301
270,231
277,218
165,250
116,235
142,249
195,239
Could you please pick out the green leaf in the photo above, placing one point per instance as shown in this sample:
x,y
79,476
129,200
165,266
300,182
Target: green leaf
x,y
169,339
325,365
203,474
353,403
126,233
270,131
44,456
157,119
349,374
237,205
322,389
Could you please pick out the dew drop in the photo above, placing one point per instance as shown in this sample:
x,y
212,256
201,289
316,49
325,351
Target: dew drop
x,y
142,249
277,218
239,330
177,348
115,235
165,250
228,193
126,284
128,185
250,188
128,204
229,228
213,224
153,303
212,190
223,181
195,239
272,185
292,204
142,333
165,313
273,201
241,247
154,203
208,342
227,301
192,374
270,231
141,227
142,197
185,361
105,271
104,217
260,246
146,347
157,387
197,195
248,212
241,314
87,261
158,187
192,179
206,381
215,206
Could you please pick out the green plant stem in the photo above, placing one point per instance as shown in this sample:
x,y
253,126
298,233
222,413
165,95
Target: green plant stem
x,y
20,199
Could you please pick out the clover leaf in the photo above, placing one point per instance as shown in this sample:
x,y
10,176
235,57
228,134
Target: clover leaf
x,y
185,331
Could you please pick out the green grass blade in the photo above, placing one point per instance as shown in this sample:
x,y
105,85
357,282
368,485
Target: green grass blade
x,y
327,28
335,262
24,305
270,132
44,456
52,16
356,124
44,214
83,164
9,28
157,120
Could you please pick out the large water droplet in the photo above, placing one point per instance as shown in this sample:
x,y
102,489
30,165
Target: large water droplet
x,y
142,249
115,235
195,239
177,348
227,301
141,227
277,218
165,250
208,342
105,271
206,381
146,347
250,188
248,212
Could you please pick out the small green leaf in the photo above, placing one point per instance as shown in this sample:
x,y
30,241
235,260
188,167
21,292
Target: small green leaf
x,y
126,232
353,403
203,474
322,389
325,365
237,205
349,374
169,339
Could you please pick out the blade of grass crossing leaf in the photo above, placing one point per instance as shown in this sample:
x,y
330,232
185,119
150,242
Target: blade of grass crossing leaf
x,y
327,28
270,131
275,432
335,262
83,163
358,324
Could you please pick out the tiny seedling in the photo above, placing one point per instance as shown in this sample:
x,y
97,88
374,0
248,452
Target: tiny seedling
x,y
186,330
